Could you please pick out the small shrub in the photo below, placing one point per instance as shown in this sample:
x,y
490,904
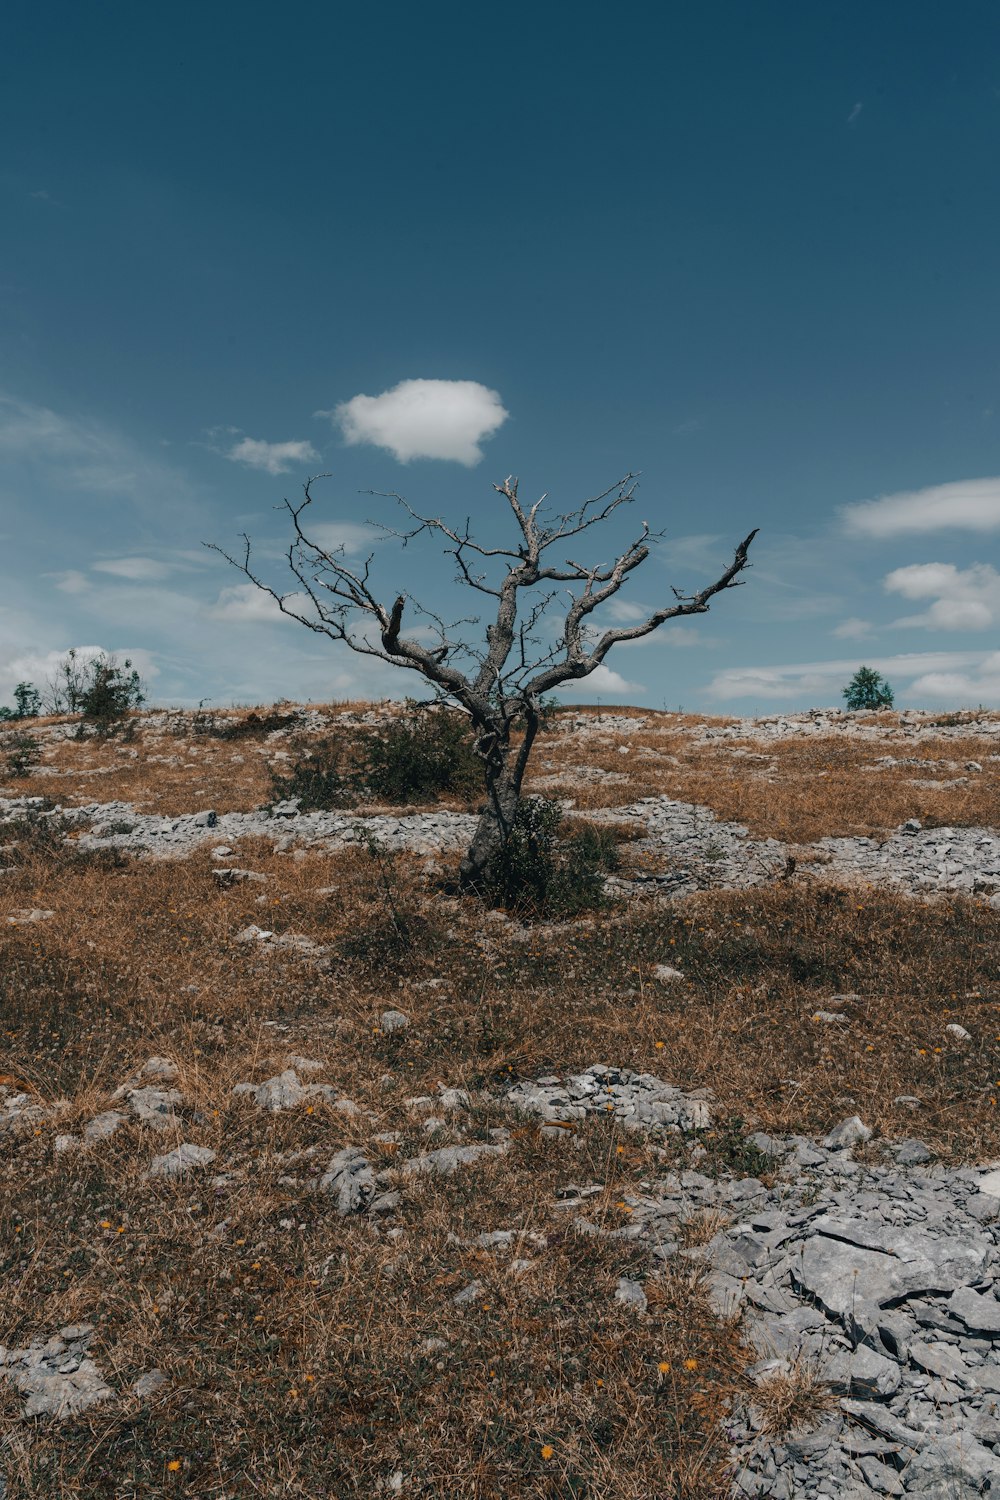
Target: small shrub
x,y
23,754
254,727
102,690
425,754
868,689
537,874
316,778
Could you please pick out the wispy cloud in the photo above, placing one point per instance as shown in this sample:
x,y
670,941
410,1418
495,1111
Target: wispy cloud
x,y
852,118
963,598
446,419
81,453
852,629
965,505
246,602
134,568
272,458
826,679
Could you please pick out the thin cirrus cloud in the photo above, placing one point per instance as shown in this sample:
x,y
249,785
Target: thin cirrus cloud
x,y
271,458
961,598
137,569
965,505
445,419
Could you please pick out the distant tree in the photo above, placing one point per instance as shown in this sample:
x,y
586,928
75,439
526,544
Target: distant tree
x,y
498,682
27,703
868,689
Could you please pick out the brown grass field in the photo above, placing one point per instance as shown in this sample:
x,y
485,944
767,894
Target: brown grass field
x,y
296,1343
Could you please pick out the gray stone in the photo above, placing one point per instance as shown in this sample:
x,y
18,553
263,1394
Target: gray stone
x,y
183,1159
911,1153
631,1294
350,1179
468,1294
850,1132
149,1384
102,1126
979,1314
942,1360
952,1466
448,1159
391,1021
227,876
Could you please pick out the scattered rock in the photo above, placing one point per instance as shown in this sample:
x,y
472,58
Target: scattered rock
x,y
183,1159
56,1375
391,1021
631,1294
350,1179
850,1132
449,1158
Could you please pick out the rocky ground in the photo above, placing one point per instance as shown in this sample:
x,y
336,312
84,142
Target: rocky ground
x,y
860,1268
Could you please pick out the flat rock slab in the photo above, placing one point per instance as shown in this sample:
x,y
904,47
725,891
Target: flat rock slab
x,y
56,1376
183,1159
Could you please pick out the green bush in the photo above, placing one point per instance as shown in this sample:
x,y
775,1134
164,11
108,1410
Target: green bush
x,y
538,874
316,778
425,754
100,689
868,689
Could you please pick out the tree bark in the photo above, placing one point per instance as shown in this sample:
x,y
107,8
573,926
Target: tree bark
x,y
504,772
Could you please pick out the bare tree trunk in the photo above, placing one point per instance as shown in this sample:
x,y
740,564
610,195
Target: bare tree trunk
x,y
504,775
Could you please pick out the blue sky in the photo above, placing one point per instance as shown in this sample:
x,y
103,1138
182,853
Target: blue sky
x,y
746,249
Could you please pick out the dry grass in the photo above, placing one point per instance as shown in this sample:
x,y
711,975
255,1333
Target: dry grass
x,y
295,1342
791,1400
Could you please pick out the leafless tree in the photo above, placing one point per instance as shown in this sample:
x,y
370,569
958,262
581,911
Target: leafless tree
x,y
501,683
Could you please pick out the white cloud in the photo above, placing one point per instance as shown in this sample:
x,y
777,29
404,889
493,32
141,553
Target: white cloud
x,y
853,117
830,677
424,419
72,581
246,602
962,689
140,569
601,680
272,458
966,505
852,629
622,611
963,598
346,536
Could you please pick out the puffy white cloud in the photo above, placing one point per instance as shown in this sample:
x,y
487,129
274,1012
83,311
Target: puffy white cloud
x,y
445,419
601,680
963,598
852,629
965,505
962,689
271,458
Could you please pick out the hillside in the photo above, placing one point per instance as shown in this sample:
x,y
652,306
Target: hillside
x,y
320,1179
